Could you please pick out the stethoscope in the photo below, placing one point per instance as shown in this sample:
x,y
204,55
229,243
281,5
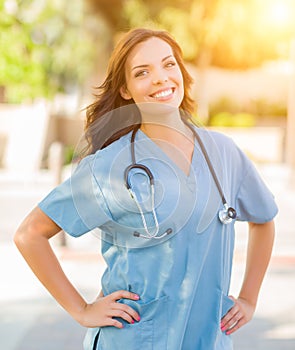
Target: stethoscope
x,y
226,215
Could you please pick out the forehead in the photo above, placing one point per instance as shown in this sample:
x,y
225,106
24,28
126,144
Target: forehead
x,y
149,51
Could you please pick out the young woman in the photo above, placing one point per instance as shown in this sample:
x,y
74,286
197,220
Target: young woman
x,y
164,195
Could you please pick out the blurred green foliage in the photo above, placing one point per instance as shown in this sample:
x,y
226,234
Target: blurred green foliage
x,y
224,104
233,34
45,47
226,33
258,107
226,111
238,120
50,46
69,154
266,107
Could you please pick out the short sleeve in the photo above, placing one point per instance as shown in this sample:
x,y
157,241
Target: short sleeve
x,y
254,201
77,205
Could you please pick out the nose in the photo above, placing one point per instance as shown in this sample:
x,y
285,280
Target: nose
x,y
160,77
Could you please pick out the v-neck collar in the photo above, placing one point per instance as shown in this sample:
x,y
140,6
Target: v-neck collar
x,y
158,149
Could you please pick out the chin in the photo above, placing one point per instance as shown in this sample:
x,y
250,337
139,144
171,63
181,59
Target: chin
x,y
157,108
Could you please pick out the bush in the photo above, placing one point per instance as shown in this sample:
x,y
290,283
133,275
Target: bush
x,y
263,107
224,104
233,120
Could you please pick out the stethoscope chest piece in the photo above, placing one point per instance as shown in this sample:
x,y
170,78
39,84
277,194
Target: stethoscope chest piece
x,y
227,214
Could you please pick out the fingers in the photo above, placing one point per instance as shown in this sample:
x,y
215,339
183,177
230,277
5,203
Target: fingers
x,y
231,321
121,310
106,310
126,312
123,315
113,322
123,294
237,316
236,326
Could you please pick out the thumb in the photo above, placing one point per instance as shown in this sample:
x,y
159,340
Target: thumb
x,y
232,298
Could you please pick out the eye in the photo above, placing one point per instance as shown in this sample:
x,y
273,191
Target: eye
x,y
170,64
141,73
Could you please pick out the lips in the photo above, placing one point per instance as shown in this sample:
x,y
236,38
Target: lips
x,y
163,94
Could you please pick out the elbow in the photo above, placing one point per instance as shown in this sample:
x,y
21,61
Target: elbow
x,y
35,228
17,238
28,231
23,236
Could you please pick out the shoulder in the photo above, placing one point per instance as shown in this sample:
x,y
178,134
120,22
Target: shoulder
x,y
115,146
105,161
228,150
219,139
213,134
108,153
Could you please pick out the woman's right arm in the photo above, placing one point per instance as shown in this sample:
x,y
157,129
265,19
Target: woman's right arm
x,y
32,240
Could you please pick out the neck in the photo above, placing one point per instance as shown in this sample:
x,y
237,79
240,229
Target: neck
x,y
163,125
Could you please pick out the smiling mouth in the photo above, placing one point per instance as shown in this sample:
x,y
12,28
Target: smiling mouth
x,y
163,94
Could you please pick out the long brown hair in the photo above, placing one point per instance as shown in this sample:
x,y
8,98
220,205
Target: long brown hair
x,y
105,120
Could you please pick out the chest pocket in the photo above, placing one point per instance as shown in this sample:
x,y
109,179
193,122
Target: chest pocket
x,y
174,203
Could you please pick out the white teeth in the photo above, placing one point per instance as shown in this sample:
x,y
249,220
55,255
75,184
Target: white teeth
x,y
163,93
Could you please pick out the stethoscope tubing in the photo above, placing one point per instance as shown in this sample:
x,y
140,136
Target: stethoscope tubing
x,y
208,161
226,215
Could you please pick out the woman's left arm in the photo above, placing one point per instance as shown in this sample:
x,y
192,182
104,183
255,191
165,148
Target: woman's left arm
x,y
260,243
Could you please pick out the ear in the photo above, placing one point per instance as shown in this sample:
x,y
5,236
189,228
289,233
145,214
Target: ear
x,y
125,93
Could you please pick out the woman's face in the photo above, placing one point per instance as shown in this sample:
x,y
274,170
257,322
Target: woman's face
x,y
153,74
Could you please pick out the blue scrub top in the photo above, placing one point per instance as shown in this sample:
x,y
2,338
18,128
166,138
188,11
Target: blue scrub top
x,y
182,279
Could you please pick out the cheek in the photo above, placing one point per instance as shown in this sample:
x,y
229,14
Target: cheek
x,y
179,77
179,80
140,88
182,90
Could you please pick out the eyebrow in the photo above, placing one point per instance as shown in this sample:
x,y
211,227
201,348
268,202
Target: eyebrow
x,y
146,65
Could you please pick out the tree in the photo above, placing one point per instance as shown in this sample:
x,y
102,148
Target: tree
x,y
50,46
45,47
226,33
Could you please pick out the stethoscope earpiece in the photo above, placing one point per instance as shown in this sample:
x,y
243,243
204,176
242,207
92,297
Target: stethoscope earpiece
x,y
166,233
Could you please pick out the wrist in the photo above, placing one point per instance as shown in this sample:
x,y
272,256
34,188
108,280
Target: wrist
x,y
78,313
251,300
